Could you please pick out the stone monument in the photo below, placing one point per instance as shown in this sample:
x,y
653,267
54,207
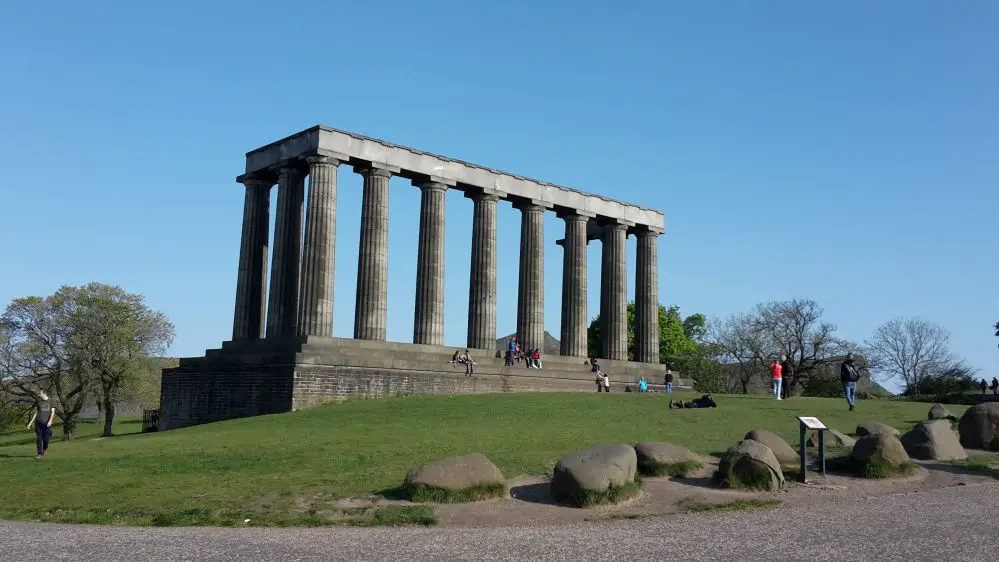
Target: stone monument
x,y
282,355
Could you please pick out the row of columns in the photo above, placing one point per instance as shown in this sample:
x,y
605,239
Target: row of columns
x,y
300,300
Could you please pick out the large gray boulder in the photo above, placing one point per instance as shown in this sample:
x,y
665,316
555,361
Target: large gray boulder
x,y
750,464
979,426
784,453
879,447
596,469
868,428
933,440
833,438
456,473
939,412
654,454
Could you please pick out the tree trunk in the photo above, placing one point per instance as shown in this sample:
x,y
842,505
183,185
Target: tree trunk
x,y
69,428
108,415
745,386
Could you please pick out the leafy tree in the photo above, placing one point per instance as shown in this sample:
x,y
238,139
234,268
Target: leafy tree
x,y
79,343
115,334
673,340
36,355
910,350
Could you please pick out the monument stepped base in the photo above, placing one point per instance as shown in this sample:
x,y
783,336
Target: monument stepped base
x,y
250,378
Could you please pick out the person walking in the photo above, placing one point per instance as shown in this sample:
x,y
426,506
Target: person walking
x,y
606,383
849,375
984,386
786,372
668,380
775,378
995,385
42,420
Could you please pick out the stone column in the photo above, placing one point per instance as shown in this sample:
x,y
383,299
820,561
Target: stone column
x,y
531,289
428,321
371,306
482,281
574,320
647,298
614,294
282,303
315,314
251,280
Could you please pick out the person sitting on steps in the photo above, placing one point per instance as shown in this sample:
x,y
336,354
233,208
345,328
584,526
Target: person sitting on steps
x,y
706,401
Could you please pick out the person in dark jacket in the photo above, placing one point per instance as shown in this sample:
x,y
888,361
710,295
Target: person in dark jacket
x,y
787,372
849,375
706,401
668,380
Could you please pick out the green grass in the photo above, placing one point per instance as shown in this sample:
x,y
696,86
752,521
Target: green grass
x,y
281,467
674,469
875,469
987,465
430,494
734,505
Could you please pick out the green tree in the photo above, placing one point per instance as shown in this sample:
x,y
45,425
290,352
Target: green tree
x,y
673,340
116,336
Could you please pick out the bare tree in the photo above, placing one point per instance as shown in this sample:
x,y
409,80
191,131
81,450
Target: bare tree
x,y
910,350
793,328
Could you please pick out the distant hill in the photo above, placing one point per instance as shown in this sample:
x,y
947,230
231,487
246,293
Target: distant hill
x,y
552,345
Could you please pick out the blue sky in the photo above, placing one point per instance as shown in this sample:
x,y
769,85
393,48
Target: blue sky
x,y
846,152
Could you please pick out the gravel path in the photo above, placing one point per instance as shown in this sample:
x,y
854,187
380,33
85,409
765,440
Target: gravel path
x,y
960,523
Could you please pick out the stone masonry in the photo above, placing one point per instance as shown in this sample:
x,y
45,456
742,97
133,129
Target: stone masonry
x,y
282,355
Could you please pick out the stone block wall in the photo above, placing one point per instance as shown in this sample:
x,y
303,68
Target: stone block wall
x,y
210,393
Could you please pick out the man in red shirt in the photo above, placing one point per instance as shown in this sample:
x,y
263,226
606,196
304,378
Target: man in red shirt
x,y
775,377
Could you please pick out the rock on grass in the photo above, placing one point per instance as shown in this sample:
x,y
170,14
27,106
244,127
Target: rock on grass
x,y
666,459
455,479
880,455
979,426
784,453
750,464
601,474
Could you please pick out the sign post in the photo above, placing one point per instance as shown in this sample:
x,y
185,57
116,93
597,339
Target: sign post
x,y
805,423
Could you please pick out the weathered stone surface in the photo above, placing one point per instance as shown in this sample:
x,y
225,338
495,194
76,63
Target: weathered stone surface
x,y
939,412
596,469
882,446
647,297
784,453
456,473
654,452
833,438
574,287
751,462
614,293
868,428
933,440
979,426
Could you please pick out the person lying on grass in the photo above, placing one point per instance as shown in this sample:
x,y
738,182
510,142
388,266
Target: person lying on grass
x,y
706,401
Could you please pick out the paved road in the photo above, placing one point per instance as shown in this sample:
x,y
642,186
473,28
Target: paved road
x,y
960,523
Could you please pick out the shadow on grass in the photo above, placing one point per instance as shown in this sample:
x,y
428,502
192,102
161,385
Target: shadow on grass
x,y
394,493
977,465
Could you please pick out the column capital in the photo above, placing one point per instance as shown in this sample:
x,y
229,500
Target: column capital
x,y
575,217
257,181
319,159
482,194
430,185
645,232
614,226
373,171
531,205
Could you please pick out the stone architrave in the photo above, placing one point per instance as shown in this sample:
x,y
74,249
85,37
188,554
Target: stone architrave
x,y
647,297
574,340
315,315
371,304
531,288
428,324
251,280
282,302
614,293
482,279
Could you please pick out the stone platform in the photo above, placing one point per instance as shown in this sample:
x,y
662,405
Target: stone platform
x,y
248,378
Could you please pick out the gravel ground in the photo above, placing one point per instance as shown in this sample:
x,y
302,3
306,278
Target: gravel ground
x,y
960,523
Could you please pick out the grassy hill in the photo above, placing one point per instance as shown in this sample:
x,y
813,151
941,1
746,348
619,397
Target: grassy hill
x,y
278,469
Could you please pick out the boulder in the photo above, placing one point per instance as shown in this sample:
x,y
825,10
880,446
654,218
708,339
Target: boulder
x,y
751,464
655,453
596,469
933,440
979,426
868,428
879,446
784,453
456,473
938,412
834,438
